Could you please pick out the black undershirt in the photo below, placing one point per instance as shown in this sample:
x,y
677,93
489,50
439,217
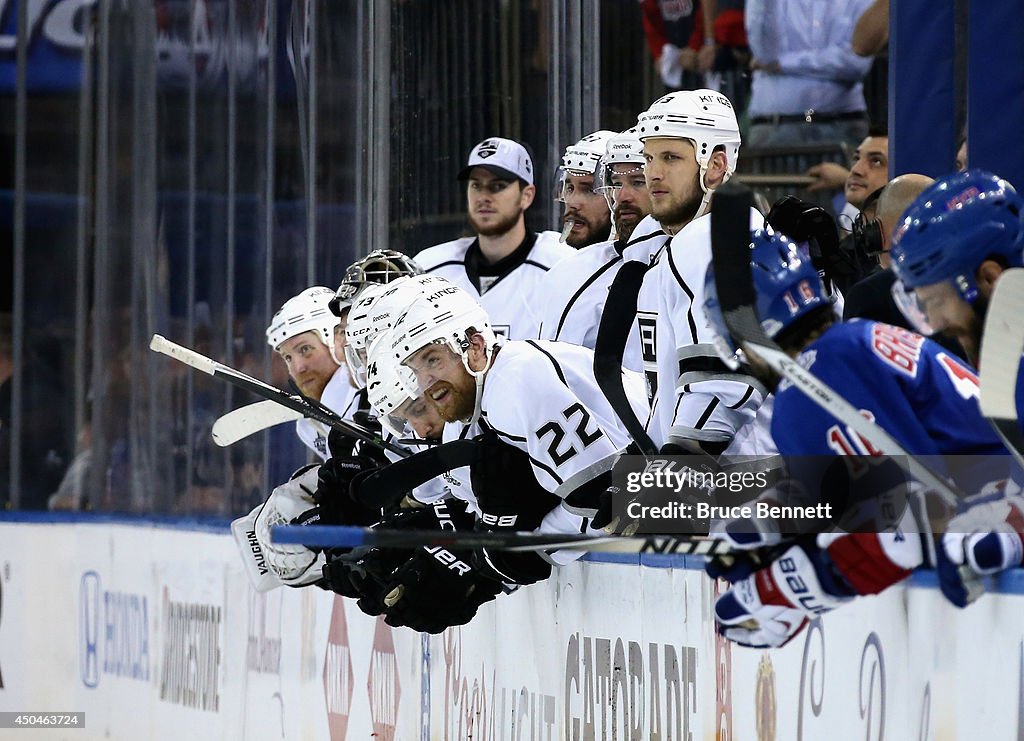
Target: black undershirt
x,y
477,265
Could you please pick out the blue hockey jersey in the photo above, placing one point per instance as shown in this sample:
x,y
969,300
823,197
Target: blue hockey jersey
x,y
924,397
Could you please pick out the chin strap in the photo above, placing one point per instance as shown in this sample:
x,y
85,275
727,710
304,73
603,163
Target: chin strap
x,y
478,376
705,203
330,349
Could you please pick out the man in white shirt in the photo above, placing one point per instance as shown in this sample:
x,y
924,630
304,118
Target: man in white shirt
x,y
503,265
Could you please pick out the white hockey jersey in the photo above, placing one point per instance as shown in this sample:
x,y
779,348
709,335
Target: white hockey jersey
x,y
339,396
542,398
698,397
574,293
513,298
646,246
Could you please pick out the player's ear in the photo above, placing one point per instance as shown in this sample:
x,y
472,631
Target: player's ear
x,y
987,275
477,351
716,169
526,196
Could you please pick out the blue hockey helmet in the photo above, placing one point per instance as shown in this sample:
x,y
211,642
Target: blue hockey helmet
x,y
953,226
786,283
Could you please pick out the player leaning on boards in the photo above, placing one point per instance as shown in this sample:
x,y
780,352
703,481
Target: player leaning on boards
x,y
908,385
308,333
502,265
949,252
302,332
576,289
533,397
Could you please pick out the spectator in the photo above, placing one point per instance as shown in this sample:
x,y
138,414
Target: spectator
x,y
808,84
72,494
725,38
502,264
869,171
674,37
872,298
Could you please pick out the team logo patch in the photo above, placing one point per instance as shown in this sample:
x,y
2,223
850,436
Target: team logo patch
x,y
486,149
960,198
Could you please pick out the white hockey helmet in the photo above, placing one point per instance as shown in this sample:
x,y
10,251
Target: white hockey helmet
x,y
388,384
306,312
705,117
444,315
380,266
581,159
622,149
373,312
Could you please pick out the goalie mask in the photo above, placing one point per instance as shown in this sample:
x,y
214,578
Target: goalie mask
x,y
706,119
443,319
380,266
306,312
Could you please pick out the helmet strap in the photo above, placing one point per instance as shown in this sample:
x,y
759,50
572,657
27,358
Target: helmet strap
x,y
478,377
334,357
705,203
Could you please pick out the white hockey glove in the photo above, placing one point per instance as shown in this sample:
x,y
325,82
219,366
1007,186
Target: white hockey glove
x,y
294,565
771,605
983,540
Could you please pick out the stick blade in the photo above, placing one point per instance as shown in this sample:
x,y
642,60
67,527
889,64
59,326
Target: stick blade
x,y
240,423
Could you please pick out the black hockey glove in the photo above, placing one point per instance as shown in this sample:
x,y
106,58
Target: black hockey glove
x,y
366,574
506,488
333,495
436,589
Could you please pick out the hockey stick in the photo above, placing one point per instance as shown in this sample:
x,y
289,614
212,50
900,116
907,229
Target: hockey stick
x,y
242,380
239,423
324,536
1002,346
730,256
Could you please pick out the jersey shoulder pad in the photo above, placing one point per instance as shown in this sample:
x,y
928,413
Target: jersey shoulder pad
x,y
522,376
585,262
454,250
547,250
894,349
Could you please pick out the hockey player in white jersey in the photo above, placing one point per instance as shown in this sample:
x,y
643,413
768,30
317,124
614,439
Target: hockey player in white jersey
x,y
302,332
586,219
576,289
537,397
502,266
308,333
691,142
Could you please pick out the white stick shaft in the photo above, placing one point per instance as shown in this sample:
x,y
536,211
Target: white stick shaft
x,y
162,345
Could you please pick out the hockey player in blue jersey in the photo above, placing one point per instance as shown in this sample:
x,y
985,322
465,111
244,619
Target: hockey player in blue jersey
x,y
922,396
953,245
